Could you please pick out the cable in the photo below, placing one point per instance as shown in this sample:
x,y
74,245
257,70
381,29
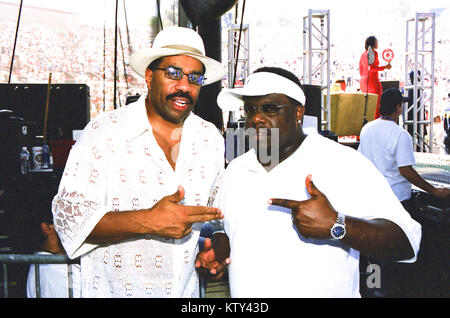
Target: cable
x,y
128,30
15,42
104,57
239,45
159,14
237,52
115,55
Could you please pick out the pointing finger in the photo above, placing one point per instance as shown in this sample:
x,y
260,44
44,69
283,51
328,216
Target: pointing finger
x,y
290,204
201,210
203,214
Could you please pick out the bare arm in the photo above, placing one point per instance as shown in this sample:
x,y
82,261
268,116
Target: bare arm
x,y
410,174
167,218
378,238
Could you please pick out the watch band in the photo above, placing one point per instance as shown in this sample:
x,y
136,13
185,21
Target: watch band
x,y
338,229
340,219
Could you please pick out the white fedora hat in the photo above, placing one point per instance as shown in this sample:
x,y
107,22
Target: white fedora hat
x,y
177,41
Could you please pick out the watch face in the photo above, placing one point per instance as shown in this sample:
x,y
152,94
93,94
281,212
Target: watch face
x,y
338,231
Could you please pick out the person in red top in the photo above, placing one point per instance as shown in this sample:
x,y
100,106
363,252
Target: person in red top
x,y
369,82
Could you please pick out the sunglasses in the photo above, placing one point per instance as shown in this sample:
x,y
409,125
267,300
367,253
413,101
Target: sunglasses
x,y
176,74
269,109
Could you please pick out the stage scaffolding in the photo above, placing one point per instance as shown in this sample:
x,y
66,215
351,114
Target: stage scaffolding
x,y
238,58
316,56
419,59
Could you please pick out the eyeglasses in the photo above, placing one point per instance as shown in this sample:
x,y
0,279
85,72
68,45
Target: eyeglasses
x,y
176,74
269,109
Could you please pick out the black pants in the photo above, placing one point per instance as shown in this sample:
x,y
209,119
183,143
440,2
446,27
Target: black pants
x,y
397,279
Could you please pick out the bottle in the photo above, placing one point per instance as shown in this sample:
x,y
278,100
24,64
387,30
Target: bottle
x,y
45,156
24,161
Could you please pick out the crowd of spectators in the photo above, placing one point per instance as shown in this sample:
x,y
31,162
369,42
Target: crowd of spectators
x,y
75,55
79,55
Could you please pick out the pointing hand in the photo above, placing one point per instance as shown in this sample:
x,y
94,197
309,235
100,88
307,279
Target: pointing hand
x,y
313,217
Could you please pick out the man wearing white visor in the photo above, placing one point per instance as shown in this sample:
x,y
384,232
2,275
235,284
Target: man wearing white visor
x,y
294,227
136,184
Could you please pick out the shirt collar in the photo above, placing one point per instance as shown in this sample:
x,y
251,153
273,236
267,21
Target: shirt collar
x,y
251,162
137,118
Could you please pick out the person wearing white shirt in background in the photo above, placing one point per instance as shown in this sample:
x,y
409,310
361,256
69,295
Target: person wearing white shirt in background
x,y
390,148
133,195
298,209
53,278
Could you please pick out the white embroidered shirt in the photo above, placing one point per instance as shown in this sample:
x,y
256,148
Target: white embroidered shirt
x,y
117,165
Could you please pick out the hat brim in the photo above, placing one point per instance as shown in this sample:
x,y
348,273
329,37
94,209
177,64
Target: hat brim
x,y
259,84
139,61
230,99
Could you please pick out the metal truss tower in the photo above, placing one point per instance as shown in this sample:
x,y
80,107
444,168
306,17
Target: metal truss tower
x,y
316,56
238,57
419,59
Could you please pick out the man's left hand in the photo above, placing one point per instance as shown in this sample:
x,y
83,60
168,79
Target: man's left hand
x,y
208,264
313,217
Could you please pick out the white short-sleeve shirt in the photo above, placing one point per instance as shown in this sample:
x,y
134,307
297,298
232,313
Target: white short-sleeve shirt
x,y
54,280
269,257
117,165
389,147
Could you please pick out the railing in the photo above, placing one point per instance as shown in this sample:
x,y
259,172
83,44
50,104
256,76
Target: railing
x,y
6,259
216,288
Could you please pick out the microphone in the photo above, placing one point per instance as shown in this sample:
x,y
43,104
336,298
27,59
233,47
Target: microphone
x,y
370,55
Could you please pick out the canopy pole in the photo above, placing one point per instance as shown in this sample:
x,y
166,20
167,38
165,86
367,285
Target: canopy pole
x,y
115,55
15,42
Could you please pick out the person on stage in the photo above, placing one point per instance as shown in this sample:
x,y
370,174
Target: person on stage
x,y
370,82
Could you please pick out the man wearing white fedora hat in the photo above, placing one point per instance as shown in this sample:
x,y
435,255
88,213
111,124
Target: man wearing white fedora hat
x,y
136,185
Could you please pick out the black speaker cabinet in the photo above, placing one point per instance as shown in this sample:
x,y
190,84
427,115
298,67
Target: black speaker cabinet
x,y
313,105
69,106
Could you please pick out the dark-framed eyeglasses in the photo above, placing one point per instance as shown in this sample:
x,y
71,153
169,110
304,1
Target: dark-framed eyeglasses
x,y
176,74
269,109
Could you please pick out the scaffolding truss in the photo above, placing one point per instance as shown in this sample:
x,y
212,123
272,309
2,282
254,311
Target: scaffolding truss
x,y
419,60
316,57
238,57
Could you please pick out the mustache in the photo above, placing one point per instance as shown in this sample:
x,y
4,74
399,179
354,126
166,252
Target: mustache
x,y
181,94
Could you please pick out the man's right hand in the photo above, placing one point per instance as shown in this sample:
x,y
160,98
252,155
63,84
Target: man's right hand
x,y
169,218
441,192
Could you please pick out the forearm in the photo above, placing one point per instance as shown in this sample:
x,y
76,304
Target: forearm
x,y
117,226
378,238
414,178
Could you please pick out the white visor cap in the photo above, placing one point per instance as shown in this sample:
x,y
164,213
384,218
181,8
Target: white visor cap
x,y
259,84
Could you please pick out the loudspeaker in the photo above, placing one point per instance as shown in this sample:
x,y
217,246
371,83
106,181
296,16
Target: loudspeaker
x,y
313,107
205,11
69,106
